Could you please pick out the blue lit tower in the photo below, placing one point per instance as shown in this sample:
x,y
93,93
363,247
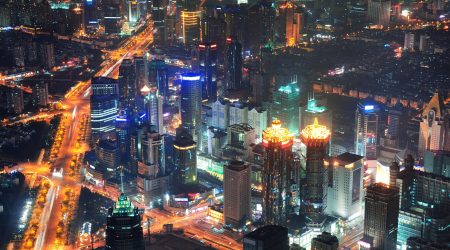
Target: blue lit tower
x,y
153,108
366,134
123,226
191,104
103,102
207,53
233,64
90,14
286,100
158,75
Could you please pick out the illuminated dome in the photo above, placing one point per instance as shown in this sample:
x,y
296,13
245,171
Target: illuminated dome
x,y
316,131
277,134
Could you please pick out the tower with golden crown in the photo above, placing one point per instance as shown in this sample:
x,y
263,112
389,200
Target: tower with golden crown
x,y
314,186
277,174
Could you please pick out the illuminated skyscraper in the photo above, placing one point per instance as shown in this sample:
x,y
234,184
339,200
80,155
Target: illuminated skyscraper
x,y
190,24
233,64
123,130
345,191
381,217
191,104
158,76
237,193
185,158
277,174
286,100
123,226
285,30
435,126
153,108
314,188
379,12
207,53
135,8
366,133
312,110
90,15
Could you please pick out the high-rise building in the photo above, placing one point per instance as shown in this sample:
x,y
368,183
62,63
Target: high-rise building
x,y
104,86
239,138
104,103
91,17
435,126
112,19
314,188
158,76
207,60
237,193
103,115
220,114
425,44
267,238
261,17
409,42
367,128
381,217
417,243
123,131
379,12
151,181
40,94
185,158
190,24
47,55
159,8
153,108
135,11
286,101
14,101
191,104
345,191
324,241
257,119
437,162
123,226
127,84
141,69
233,64
277,174
288,31
108,156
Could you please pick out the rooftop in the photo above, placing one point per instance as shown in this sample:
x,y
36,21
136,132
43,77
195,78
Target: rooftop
x,y
348,158
316,131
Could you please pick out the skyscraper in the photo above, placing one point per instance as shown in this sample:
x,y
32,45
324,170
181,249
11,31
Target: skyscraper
x,y
286,100
191,104
127,84
185,158
153,108
90,15
324,241
267,238
158,16
123,130
104,103
233,64
158,76
207,53
345,192
435,126
237,193
366,134
190,24
40,94
381,217
313,109
314,196
277,174
14,101
286,32
123,226
379,12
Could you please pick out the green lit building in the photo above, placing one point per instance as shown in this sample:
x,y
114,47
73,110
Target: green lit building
x,y
286,101
315,109
123,226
